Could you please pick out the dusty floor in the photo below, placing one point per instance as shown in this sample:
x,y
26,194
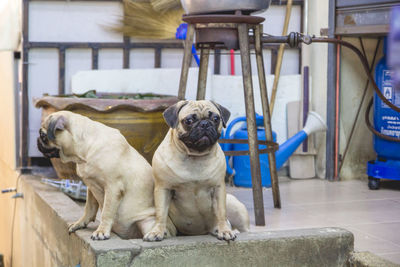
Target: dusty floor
x,y
372,216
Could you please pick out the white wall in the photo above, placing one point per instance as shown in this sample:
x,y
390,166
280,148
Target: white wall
x,y
317,57
224,89
7,109
89,22
352,85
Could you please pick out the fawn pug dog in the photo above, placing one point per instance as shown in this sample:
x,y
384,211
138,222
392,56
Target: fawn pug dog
x,y
189,170
119,180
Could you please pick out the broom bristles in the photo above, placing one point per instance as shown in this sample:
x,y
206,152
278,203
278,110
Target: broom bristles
x,y
142,21
166,5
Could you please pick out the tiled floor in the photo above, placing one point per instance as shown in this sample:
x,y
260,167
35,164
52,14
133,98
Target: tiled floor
x,y
372,216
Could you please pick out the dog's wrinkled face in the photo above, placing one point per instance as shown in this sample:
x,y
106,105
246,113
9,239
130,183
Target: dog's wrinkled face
x,y
44,146
47,135
198,123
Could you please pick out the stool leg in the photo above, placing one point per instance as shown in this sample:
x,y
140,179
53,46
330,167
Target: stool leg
x,y
267,117
202,81
187,55
251,124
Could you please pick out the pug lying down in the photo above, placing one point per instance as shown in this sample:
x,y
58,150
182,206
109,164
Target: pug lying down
x,y
118,178
189,170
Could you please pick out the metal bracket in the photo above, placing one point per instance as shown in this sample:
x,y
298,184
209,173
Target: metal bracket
x,y
18,195
9,190
324,32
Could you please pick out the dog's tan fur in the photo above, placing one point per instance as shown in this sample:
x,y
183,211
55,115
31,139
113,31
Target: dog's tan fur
x,y
118,178
190,185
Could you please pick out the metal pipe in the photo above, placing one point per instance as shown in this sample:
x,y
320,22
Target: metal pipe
x,y
337,107
331,95
61,70
126,53
275,39
95,58
305,16
24,99
17,106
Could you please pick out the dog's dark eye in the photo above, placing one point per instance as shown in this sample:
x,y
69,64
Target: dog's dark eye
x,y
215,118
188,121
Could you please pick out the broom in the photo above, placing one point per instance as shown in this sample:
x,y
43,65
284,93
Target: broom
x,y
141,20
165,5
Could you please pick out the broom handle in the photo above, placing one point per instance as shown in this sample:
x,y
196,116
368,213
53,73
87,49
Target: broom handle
x,y
280,56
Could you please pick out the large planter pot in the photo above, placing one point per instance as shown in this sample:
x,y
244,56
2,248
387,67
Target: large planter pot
x,y
139,120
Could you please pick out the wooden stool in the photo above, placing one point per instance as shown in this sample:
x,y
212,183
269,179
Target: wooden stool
x,y
232,32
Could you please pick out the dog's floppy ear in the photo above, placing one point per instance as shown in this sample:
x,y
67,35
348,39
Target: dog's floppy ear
x,y
171,113
55,124
225,113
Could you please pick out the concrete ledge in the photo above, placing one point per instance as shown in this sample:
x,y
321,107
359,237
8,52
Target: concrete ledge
x,y
368,259
307,247
47,212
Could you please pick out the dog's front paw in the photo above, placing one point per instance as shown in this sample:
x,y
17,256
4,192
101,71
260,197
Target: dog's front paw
x,y
72,227
224,233
100,234
158,233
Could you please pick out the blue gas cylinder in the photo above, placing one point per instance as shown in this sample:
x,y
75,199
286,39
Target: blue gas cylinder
x,y
386,120
241,164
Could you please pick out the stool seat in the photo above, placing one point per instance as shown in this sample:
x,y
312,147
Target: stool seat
x,y
220,31
222,19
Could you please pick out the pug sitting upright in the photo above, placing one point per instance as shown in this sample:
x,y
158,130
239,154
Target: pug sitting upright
x,y
189,170
118,179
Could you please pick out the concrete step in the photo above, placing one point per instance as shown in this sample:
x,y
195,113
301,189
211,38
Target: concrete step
x,y
305,247
45,212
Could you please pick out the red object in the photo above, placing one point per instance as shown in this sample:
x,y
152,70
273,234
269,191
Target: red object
x,y
232,62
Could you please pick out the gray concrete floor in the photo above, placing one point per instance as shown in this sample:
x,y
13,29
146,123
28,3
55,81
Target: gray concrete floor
x,y
372,216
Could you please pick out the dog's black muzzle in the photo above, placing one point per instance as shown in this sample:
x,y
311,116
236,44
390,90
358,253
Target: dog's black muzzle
x,y
43,146
202,136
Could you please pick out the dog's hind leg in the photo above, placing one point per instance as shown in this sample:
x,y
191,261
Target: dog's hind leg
x,y
237,214
89,215
112,200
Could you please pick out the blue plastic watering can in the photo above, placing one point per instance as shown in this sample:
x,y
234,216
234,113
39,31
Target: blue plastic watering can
x,y
241,164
